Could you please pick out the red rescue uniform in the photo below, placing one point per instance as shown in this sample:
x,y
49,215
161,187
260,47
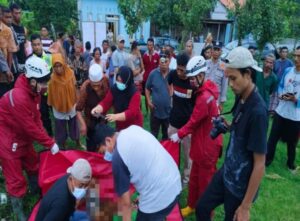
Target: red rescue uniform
x,y
204,150
20,125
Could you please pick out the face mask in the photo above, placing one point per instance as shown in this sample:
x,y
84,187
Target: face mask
x,y
79,193
108,156
121,86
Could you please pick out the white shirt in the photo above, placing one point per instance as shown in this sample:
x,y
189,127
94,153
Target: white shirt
x,y
290,83
153,171
104,58
173,64
64,116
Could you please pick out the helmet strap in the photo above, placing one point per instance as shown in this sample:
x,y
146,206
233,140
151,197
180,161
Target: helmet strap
x,y
200,84
34,89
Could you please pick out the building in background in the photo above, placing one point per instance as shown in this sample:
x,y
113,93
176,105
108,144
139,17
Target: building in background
x,y
101,19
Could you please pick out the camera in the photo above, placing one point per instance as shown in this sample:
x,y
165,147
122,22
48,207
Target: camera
x,y
219,126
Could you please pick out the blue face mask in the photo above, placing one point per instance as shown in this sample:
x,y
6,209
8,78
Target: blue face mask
x,y
121,86
108,156
79,193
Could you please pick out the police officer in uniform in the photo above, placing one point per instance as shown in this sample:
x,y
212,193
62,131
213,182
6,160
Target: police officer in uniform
x,y
215,72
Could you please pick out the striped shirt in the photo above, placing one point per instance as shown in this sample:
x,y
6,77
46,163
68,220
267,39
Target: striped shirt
x,y
46,42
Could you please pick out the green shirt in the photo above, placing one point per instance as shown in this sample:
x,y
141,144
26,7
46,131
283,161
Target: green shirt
x,y
266,86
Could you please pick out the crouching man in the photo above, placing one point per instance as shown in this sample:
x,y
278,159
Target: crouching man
x,y
59,202
138,158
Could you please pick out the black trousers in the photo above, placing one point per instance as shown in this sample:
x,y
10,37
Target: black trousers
x,y
288,130
215,195
90,143
45,115
156,123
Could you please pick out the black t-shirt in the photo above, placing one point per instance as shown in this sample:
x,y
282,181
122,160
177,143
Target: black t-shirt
x,y
183,100
21,38
248,136
58,204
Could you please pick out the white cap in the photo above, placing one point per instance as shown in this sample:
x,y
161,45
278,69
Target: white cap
x,y
241,57
195,66
36,67
120,38
81,170
95,73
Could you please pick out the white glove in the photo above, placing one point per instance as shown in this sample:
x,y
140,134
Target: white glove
x,y
175,138
54,149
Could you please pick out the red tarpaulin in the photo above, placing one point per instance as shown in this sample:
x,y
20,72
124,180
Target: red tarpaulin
x,y
52,167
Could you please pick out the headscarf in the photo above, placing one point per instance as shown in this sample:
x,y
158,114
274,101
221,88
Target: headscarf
x,y
121,99
61,88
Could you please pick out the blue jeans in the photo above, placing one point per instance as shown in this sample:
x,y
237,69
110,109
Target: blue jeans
x,y
157,216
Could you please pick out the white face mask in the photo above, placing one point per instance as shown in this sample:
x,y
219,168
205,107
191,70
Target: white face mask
x,y
79,193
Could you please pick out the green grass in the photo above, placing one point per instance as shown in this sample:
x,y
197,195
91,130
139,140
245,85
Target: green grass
x,y
279,198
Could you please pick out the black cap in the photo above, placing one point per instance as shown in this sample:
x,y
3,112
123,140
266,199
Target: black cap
x,y
217,44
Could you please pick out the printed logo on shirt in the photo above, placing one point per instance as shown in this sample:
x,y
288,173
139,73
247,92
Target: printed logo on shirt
x,y
183,92
222,66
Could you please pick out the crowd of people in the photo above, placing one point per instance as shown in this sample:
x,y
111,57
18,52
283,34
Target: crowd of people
x,y
79,90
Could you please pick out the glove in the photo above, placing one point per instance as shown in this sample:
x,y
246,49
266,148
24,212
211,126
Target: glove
x,y
54,149
175,138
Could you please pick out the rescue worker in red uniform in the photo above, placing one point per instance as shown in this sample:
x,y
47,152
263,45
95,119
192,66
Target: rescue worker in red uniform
x,y
20,125
204,150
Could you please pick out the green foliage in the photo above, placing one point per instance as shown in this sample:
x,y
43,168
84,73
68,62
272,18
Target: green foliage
x,y
136,12
4,2
61,13
22,3
291,8
263,18
192,13
164,16
29,21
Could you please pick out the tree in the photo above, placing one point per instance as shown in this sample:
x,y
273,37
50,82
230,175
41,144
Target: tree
x,y
192,13
263,18
136,12
241,17
61,13
3,2
291,10
164,16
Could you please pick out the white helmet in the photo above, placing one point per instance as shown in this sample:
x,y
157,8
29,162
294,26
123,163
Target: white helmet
x,y
195,66
37,68
95,73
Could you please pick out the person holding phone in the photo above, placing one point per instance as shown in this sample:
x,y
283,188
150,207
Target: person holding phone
x,y
286,121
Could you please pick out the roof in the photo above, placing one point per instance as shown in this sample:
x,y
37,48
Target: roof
x,y
230,3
